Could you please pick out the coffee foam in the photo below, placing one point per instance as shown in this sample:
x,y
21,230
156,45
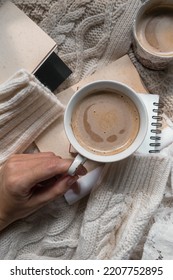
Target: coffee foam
x,y
105,122
155,30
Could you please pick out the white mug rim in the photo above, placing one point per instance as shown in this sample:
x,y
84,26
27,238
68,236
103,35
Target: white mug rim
x,y
114,85
165,55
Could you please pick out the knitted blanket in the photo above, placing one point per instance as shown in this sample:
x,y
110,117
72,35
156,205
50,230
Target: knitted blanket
x,y
124,216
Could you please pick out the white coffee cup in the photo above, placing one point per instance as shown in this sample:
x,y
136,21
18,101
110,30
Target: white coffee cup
x,y
113,87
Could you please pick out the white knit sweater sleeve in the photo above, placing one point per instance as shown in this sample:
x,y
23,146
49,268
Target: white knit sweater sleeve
x,y
26,109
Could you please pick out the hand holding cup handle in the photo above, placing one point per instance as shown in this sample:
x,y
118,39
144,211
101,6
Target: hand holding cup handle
x,y
79,160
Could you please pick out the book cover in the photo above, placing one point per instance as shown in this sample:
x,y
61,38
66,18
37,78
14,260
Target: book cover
x,y
24,44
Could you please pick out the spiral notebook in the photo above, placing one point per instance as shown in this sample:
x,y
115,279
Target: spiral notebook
x,y
152,141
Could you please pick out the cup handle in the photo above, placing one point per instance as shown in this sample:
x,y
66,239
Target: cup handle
x,y
75,164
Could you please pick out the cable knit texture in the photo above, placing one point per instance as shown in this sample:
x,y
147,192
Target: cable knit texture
x,y
113,222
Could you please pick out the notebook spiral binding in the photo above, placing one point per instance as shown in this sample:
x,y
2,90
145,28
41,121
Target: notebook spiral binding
x,y
156,130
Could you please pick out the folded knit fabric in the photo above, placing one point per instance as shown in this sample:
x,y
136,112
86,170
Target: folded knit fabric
x,y
108,225
26,109
120,208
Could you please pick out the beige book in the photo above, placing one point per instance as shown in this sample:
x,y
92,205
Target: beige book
x,y
23,44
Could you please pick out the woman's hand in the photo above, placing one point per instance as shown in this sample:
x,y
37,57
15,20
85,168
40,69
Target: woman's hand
x,y
29,181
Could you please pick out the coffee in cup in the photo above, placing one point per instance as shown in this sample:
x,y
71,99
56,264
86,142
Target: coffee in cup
x,y
153,34
105,121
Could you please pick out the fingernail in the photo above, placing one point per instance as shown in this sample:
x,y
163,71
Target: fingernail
x,y
72,180
76,188
81,170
